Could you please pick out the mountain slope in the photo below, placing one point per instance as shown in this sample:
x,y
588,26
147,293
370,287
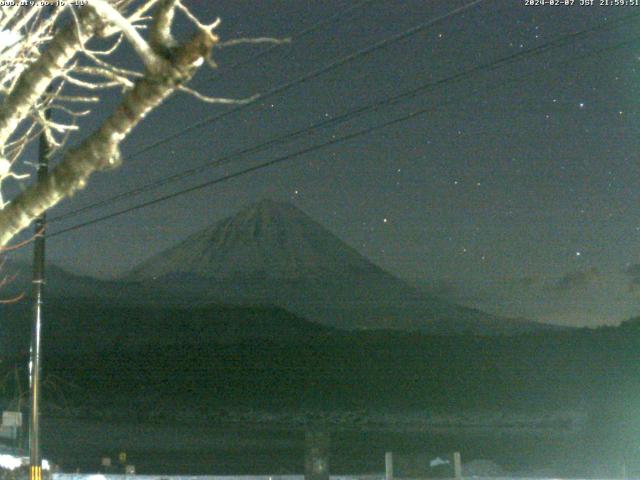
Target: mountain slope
x,y
267,240
273,253
76,326
62,284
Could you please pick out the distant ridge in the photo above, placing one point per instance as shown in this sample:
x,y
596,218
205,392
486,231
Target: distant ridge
x,y
273,253
268,239
97,326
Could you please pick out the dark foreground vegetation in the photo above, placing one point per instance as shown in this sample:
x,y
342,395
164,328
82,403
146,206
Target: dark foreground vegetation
x,y
204,366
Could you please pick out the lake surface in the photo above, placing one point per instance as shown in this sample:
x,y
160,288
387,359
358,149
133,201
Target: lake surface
x,y
262,449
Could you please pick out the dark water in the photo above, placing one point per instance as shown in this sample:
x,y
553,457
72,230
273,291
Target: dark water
x,y
251,449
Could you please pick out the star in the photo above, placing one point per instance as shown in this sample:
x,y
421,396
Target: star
x,y
581,105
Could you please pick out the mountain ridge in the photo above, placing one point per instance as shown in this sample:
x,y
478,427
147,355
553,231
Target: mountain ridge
x,y
274,253
266,239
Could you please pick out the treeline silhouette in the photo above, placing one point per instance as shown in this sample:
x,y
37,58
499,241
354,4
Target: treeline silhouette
x,y
150,362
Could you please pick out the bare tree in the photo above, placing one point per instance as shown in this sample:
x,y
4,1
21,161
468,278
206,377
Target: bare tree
x,y
47,56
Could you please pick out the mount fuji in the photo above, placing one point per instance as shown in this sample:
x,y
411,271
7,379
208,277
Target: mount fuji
x,y
272,253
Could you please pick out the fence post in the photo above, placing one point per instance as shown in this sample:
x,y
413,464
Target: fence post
x,y
316,461
457,465
388,465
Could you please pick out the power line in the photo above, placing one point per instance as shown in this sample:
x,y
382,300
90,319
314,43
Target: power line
x,y
304,151
283,87
311,75
297,36
461,76
302,79
335,120
312,28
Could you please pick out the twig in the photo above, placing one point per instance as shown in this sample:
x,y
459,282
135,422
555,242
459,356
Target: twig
x,y
244,41
219,100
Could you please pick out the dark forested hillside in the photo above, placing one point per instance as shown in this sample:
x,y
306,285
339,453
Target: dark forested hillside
x,y
206,366
366,369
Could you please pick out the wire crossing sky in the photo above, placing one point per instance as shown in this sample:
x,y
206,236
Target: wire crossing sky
x,y
542,49
499,168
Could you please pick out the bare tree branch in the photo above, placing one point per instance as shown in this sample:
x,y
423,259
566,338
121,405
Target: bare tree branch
x,y
112,16
45,66
252,41
218,100
101,149
34,81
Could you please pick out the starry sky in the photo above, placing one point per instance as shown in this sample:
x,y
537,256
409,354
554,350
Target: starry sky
x,y
517,192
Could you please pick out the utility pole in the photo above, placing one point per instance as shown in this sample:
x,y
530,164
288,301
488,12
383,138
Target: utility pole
x,y
35,457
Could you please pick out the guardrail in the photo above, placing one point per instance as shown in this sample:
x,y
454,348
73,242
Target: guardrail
x,y
110,476
99,476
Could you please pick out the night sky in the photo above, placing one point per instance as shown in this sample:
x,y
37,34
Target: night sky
x,y
517,193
